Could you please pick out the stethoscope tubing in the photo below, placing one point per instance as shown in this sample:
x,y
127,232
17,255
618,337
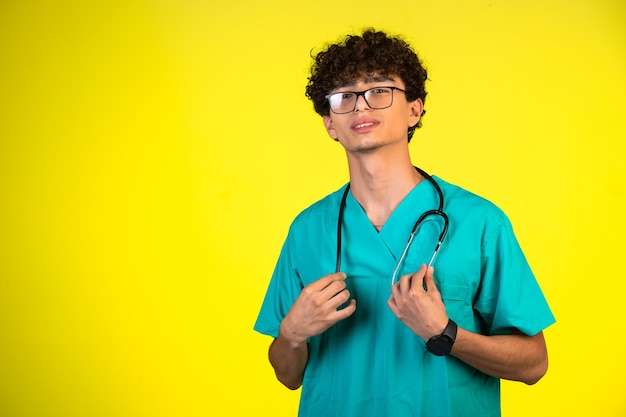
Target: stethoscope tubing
x,y
438,212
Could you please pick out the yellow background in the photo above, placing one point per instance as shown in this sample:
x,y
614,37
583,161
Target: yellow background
x,y
153,154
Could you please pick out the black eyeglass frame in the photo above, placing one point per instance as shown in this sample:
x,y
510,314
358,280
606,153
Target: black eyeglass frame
x,y
362,93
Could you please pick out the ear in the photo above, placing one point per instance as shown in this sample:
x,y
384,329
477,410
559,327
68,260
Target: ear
x,y
328,124
416,108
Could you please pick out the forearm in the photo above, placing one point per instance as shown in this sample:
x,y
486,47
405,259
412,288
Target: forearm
x,y
288,358
516,357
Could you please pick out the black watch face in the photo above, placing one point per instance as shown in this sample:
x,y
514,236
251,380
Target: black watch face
x,y
439,346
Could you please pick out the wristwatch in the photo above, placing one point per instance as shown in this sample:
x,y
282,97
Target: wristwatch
x,y
441,344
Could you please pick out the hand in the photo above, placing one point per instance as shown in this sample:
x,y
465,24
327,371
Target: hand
x,y
316,308
416,301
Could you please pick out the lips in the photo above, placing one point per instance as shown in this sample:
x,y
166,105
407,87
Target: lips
x,y
364,124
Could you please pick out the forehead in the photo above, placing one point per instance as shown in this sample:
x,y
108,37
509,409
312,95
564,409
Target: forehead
x,y
369,79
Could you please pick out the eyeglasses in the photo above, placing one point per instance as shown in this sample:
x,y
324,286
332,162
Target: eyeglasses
x,y
376,98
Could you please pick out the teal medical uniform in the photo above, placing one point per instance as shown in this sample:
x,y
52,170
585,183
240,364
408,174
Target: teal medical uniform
x,y
371,364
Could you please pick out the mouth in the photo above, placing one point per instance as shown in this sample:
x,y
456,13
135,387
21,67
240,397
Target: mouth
x,y
362,125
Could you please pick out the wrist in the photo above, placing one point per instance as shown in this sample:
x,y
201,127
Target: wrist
x,y
441,344
291,336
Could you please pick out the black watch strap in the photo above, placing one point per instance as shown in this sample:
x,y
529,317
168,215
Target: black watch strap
x,y
441,345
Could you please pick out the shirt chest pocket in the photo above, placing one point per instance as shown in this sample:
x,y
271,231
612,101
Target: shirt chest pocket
x,y
458,301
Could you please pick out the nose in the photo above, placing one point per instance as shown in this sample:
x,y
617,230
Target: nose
x,y
361,104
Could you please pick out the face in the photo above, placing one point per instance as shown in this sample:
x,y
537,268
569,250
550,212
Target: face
x,y
366,129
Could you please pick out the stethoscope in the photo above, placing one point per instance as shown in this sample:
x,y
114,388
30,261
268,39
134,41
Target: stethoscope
x,y
435,212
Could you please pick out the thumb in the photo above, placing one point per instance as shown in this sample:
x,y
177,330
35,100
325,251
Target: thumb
x,y
429,280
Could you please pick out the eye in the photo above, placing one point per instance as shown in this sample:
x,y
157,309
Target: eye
x,y
338,97
379,91
335,100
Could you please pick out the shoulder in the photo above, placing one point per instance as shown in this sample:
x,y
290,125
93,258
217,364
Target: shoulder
x,y
463,204
319,213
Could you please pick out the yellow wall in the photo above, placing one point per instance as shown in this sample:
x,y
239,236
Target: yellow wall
x,y
153,154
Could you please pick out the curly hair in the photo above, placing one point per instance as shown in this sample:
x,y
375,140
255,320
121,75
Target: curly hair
x,y
372,53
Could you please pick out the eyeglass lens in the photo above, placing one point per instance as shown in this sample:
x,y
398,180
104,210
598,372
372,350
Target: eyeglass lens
x,y
375,98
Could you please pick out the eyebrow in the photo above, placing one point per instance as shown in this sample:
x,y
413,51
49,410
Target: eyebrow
x,y
371,79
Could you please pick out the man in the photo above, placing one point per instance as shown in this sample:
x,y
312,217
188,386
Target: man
x,y
399,329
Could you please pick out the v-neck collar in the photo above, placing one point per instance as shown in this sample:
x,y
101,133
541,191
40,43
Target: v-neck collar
x,y
394,234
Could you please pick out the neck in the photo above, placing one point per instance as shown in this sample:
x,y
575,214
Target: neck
x,y
379,183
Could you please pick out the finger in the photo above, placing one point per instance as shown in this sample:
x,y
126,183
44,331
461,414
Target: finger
x,y
344,313
336,300
332,290
395,297
347,311
417,282
326,280
429,281
395,290
404,284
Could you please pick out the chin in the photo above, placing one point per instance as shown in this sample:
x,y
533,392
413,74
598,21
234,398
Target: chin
x,y
363,146
368,147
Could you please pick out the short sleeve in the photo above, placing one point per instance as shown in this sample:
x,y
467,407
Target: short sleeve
x,y
509,296
283,289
